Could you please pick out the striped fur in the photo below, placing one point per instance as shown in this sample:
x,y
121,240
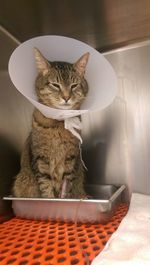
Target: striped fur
x,y
51,156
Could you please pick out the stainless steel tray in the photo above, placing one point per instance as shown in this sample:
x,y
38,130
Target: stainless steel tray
x,y
96,210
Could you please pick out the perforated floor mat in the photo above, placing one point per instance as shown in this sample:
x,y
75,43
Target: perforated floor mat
x,y
28,242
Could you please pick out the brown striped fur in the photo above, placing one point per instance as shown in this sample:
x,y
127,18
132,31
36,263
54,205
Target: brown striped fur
x,y
51,155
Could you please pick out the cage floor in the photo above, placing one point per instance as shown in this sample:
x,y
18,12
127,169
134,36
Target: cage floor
x,y
28,242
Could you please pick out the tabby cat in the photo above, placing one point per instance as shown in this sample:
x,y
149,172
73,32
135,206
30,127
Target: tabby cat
x,y
51,165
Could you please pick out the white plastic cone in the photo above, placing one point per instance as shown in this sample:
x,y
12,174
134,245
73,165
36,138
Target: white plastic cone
x,y
100,75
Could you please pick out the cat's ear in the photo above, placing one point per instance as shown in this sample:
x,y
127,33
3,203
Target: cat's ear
x,y
80,65
41,63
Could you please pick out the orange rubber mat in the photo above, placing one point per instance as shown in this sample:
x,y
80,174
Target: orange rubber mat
x,y
30,242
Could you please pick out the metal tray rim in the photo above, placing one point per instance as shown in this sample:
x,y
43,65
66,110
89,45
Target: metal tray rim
x,y
54,200
110,200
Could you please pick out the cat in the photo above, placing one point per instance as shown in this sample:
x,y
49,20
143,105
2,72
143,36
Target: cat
x,y
51,165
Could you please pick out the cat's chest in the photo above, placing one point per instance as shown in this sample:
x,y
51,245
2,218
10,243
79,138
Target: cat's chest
x,y
53,135
54,143
49,135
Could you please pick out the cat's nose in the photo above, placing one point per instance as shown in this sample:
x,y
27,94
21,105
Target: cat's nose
x,y
66,98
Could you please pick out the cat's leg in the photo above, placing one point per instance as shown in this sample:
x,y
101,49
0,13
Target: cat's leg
x,y
25,185
46,187
44,179
73,184
71,173
75,187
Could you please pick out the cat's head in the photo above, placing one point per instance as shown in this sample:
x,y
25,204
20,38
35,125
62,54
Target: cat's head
x,y
61,85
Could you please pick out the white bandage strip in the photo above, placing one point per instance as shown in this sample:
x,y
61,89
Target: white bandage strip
x,y
74,124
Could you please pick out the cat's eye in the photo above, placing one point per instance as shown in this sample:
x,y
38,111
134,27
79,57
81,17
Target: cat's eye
x,y
56,86
74,86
